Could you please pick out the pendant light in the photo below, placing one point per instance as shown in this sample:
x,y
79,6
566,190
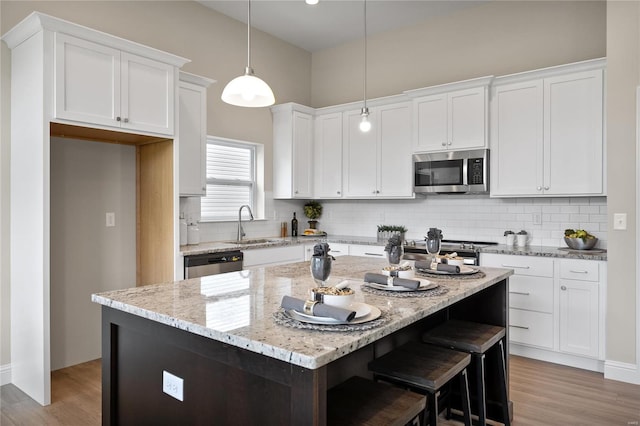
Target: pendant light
x,y
365,124
248,90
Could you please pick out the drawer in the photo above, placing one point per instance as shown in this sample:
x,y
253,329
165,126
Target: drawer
x,y
531,293
338,249
531,328
582,270
366,251
521,265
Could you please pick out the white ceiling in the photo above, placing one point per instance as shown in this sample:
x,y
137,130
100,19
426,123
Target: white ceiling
x,y
333,22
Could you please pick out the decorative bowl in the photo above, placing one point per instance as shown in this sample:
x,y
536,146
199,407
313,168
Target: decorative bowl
x,y
341,297
580,244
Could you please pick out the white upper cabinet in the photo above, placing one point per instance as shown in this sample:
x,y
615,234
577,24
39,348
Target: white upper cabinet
x,y
327,156
292,151
378,163
451,116
100,85
547,132
192,133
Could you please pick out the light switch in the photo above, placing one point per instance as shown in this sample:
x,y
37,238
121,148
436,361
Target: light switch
x,y
111,219
620,221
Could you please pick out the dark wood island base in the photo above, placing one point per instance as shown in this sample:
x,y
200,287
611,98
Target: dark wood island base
x,y
227,385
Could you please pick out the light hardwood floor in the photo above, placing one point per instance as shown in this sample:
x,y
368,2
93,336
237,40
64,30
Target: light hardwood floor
x,y
542,394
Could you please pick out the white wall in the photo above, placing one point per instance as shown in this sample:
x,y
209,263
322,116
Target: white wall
x,y
5,150
623,76
88,179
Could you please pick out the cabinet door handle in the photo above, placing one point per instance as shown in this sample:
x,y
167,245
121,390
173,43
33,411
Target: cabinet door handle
x,y
444,144
519,326
449,143
118,119
578,272
338,192
126,120
377,192
519,292
564,287
372,254
515,267
539,188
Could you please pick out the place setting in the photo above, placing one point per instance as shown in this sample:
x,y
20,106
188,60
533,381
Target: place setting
x,y
327,308
398,279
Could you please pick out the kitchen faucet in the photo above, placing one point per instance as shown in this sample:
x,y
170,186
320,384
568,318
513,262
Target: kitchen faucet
x,y
240,230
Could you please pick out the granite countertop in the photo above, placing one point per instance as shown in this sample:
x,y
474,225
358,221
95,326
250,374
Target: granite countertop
x,y
237,308
268,242
543,251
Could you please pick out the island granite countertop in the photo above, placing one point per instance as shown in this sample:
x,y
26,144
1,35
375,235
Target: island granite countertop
x,y
237,308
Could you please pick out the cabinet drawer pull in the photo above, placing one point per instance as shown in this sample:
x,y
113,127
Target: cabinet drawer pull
x,y
519,292
578,272
519,326
336,251
564,287
372,254
515,267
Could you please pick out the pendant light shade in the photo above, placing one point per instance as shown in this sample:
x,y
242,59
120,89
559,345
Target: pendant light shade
x,y
365,124
248,90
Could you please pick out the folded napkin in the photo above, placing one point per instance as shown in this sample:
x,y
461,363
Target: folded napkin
x,y
318,309
454,269
384,279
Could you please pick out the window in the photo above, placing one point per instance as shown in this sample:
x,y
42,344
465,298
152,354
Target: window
x,y
231,179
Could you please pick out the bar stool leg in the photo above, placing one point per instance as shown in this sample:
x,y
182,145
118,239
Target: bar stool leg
x,y
503,389
482,415
466,404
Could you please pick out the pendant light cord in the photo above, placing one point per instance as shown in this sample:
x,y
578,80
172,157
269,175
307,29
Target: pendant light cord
x,y
365,55
248,34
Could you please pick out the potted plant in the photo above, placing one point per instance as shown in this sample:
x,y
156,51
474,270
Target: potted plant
x,y
313,210
387,231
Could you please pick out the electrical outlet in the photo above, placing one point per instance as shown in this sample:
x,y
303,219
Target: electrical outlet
x,y
537,218
172,385
620,221
111,219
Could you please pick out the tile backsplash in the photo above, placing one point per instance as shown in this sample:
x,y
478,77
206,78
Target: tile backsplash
x,y
473,217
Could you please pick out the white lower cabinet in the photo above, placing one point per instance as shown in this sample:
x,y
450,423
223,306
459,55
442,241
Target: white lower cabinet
x,y
366,250
556,308
273,256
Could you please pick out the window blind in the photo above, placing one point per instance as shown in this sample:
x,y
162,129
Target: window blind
x,y
230,179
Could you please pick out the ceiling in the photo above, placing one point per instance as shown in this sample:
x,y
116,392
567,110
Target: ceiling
x,y
333,22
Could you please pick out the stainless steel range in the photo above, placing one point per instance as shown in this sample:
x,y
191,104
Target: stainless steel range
x,y
468,250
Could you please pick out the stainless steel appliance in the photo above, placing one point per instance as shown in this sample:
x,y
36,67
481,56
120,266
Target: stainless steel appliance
x,y
451,172
200,265
468,250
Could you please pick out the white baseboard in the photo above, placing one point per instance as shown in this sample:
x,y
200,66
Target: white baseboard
x,y
5,374
622,372
557,357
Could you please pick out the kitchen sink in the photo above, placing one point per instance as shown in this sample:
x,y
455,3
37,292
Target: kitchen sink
x,y
255,241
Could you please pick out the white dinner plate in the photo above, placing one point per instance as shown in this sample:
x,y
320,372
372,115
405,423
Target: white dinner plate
x,y
464,270
373,314
424,285
361,309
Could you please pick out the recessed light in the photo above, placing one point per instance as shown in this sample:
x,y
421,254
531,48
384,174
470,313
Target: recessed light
x,y
311,2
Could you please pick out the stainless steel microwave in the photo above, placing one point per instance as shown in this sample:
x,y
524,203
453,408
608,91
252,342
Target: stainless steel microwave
x,y
451,172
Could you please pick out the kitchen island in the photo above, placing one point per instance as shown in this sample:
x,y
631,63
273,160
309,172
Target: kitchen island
x,y
238,366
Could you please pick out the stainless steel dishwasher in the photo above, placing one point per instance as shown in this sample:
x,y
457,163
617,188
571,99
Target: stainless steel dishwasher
x,y
200,265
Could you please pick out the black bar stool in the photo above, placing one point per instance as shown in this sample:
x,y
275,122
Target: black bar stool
x,y
359,401
425,368
475,339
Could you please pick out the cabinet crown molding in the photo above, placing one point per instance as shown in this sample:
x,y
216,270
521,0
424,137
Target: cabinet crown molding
x,y
196,79
37,22
448,87
588,65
